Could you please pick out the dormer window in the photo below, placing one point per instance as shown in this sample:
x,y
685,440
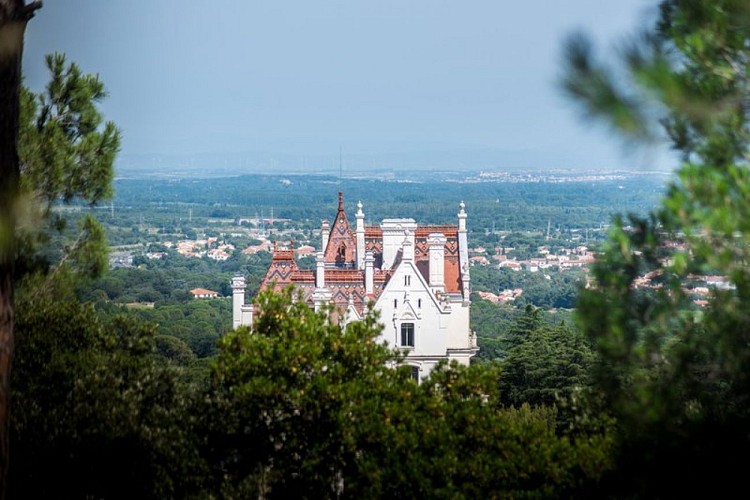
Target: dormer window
x,y
341,255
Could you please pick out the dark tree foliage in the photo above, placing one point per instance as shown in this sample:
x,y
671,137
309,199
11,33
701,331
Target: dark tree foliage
x,y
96,414
545,365
675,376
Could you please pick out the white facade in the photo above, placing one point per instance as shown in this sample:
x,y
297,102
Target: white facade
x,y
428,326
418,278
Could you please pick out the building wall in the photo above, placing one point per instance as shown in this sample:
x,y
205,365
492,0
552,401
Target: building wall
x,y
440,316
407,298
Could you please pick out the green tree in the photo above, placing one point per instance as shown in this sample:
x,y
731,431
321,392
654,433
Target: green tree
x,y
281,396
299,407
96,413
67,155
545,365
491,323
677,377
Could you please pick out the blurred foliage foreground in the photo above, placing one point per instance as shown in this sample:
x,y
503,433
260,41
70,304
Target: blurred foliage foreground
x,y
676,376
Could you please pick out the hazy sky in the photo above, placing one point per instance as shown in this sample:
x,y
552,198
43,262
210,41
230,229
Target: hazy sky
x,y
306,76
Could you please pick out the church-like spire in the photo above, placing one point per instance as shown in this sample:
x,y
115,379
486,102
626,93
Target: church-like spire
x,y
341,248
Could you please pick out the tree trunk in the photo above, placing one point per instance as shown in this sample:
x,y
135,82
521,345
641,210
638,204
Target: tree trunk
x,y
13,17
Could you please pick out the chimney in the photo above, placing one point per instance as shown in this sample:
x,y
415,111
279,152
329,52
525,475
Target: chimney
x,y
436,242
407,249
393,238
369,273
320,276
325,233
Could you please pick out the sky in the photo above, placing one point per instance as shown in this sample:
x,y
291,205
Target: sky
x,y
469,83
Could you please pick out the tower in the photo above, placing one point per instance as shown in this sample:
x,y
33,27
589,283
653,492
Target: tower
x,y
360,236
242,314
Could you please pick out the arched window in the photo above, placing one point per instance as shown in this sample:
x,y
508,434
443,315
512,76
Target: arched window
x,y
341,254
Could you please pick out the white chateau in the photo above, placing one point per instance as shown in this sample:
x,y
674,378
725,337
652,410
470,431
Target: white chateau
x,y
417,276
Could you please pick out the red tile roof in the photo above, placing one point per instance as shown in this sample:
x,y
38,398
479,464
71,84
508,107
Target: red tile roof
x,y
346,282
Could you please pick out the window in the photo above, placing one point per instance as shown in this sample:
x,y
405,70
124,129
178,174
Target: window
x,y
419,303
341,256
395,303
407,334
407,280
415,373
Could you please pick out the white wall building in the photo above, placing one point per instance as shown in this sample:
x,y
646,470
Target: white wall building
x,y
417,276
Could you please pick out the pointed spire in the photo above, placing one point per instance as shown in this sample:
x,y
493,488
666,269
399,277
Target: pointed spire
x,y
341,246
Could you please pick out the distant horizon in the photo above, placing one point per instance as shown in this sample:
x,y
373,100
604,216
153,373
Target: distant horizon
x,y
411,84
213,166
341,161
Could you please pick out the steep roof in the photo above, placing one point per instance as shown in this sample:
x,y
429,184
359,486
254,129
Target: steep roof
x,y
342,278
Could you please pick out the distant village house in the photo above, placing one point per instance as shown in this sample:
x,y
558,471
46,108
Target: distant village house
x,y
202,293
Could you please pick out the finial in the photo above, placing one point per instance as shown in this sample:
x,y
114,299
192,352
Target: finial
x,y
461,211
359,204
341,200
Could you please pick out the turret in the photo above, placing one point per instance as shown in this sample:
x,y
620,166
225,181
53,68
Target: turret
x,y
238,299
321,295
463,252
242,314
360,236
